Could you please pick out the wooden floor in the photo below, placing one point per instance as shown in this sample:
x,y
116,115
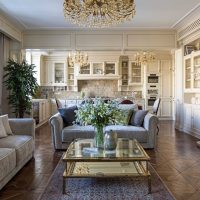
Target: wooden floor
x,y
176,159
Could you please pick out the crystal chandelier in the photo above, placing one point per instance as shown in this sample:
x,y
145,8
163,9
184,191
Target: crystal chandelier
x,y
144,58
78,57
98,13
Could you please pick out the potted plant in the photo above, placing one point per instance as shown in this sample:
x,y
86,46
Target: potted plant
x,y
99,114
21,83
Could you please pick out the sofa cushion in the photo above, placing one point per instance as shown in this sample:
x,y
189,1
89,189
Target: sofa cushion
x,y
138,116
2,129
7,161
139,133
68,114
6,124
126,116
75,131
23,145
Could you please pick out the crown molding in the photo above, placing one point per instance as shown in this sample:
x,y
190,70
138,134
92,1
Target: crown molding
x,y
10,29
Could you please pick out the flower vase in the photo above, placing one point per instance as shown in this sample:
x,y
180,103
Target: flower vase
x,y
99,137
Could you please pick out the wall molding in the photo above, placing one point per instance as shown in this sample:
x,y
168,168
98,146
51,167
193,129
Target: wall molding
x,y
188,25
100,40
10,29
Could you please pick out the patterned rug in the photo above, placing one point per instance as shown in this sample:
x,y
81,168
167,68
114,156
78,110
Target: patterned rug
x,y
105,188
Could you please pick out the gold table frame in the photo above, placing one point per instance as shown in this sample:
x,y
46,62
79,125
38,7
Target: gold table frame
x,y
78,163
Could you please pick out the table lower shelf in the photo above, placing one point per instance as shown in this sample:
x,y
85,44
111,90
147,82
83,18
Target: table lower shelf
x,y
106,169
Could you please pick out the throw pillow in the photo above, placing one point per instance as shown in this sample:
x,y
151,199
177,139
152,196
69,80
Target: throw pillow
x,y
2,129
6,124
127,116
138,116
68,114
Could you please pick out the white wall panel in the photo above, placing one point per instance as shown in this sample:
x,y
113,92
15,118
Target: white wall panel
x,y
99,40
52,41
150,40
106,41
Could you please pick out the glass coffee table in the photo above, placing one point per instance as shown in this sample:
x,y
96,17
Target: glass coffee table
x,y
128,160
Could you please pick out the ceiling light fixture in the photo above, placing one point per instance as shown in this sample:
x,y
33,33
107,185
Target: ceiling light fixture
x,y
144,58
78,57
98,13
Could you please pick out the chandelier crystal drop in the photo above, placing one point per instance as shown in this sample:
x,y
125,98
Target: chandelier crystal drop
x,y
144,58
98,13
78,57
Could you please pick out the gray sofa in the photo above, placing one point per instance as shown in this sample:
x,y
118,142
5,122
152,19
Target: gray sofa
x,y
62,136
17,149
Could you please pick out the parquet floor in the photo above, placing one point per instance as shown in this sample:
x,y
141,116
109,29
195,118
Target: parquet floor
x,y
176,159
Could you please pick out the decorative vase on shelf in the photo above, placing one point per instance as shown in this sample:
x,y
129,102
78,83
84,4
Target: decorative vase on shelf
x,y
110,140
99,137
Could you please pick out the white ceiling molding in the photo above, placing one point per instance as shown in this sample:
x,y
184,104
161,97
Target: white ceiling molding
x,y
189,25
10,29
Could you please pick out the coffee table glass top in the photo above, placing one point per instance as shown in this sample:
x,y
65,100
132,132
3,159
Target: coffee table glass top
x,y
127,149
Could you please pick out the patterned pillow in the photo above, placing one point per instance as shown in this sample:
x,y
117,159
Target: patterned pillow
x,y
127,116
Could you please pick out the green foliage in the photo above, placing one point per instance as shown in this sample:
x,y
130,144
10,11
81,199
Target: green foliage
x,y
99,114
21,83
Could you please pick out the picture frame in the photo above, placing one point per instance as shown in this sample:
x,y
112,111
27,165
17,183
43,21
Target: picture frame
x,y
189,49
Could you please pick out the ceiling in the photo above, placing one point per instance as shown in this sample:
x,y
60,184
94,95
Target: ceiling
x,y
48,14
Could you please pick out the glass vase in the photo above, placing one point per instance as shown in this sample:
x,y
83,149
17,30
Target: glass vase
x,y
99,137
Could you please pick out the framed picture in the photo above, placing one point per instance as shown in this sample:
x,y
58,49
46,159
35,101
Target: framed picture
x,y
189,49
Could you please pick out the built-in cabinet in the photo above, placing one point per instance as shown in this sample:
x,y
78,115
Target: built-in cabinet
x,y
192,72
166,88
59,74
41,111
190,120
136,73
100,70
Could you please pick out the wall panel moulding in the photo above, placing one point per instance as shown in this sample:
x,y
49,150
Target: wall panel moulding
x,y
104,40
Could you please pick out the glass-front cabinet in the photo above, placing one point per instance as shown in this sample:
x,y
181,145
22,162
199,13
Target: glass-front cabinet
x,y
59,73
110,68
192,72
98,68
124,73
188,72
135,73
85,69
196,63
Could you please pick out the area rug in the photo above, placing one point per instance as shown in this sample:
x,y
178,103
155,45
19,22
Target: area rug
x,y
105,188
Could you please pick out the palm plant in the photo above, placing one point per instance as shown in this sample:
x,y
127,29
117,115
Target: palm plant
x,y
21,83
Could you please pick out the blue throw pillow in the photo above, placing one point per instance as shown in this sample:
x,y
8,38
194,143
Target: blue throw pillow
x,y
68,115
138,116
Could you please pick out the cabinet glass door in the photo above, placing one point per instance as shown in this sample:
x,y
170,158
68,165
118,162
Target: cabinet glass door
x,y
188,73
136,73
109,68
59,72
124,72
97,68
85,69
196,71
